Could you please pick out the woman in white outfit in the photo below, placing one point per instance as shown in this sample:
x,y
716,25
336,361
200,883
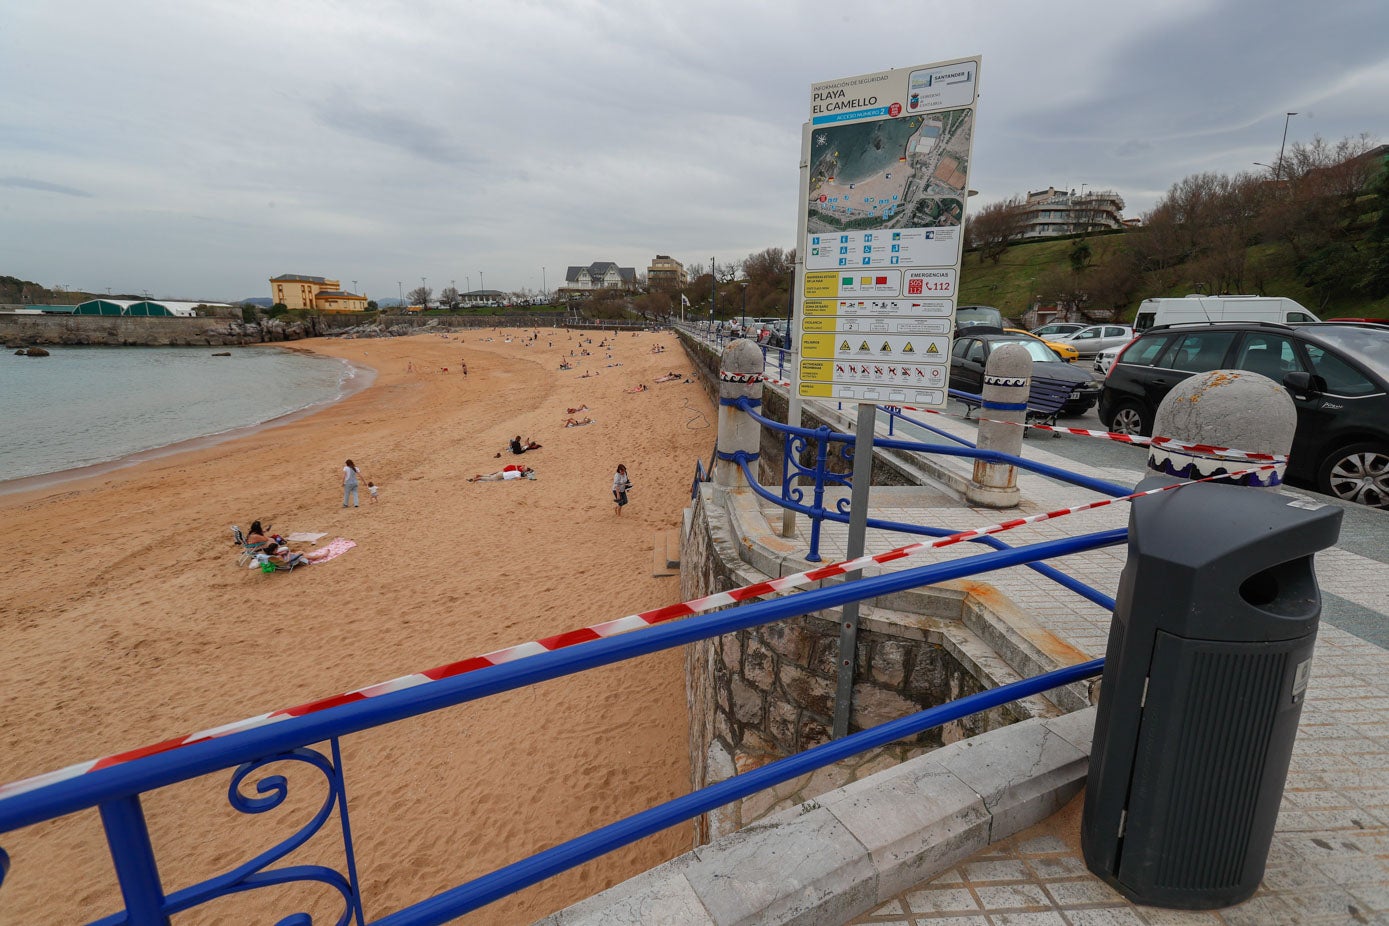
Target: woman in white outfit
x,y
349,483
621,485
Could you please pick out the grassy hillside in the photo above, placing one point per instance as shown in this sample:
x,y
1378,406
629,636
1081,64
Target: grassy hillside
x,y
1012,283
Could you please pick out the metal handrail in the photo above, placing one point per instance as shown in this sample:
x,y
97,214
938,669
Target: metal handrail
x,y
116,790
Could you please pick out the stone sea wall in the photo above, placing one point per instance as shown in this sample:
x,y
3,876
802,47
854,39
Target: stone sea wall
x,y
120,331
768,692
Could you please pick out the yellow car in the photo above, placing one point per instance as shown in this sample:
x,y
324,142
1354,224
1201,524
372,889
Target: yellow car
x,y
1067,352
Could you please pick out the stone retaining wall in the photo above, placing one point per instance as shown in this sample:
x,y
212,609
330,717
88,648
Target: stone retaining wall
x,y
768,692
121,331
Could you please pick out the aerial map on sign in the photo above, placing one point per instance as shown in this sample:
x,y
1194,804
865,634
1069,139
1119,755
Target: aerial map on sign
x,y
908,172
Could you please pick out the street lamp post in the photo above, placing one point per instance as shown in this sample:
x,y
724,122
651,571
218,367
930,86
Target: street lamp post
x,y
1286,119
544,286
745,306
400,292
480,284
713,293
424,295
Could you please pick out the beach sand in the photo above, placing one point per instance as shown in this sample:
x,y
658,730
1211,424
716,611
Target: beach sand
x,y
126,622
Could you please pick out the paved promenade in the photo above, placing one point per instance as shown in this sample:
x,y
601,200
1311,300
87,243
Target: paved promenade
x,y
1330,858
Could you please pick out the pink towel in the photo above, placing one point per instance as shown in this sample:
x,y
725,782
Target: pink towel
x,y
333,550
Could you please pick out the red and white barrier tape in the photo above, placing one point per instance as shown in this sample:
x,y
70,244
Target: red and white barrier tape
x,y
1170,443
583,635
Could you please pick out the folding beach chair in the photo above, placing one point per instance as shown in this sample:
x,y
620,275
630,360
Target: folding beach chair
x,y
248,550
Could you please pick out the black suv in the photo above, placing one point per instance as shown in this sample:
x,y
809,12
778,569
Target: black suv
x,y
1337,375
971,352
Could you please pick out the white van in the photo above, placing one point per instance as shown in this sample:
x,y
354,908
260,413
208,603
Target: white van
x,y
1220,309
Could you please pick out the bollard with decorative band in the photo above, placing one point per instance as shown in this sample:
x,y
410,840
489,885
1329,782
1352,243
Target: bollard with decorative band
x,y
740,376
1007,378
1227,408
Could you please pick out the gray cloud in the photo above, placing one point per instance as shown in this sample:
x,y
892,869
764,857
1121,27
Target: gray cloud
x,y
43,186
447,140
394,128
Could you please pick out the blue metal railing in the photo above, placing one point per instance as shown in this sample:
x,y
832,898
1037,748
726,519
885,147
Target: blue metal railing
x,y
116,790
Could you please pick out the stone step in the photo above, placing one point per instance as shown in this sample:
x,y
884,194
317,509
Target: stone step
x,y
659,563
673,548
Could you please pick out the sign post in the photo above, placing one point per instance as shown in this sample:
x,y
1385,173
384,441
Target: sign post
x,y
884,204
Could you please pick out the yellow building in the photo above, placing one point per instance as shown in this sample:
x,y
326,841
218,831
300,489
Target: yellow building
x,y
320,294
666,273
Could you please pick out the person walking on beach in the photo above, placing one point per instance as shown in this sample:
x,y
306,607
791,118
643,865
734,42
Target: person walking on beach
x,y
372,490
349,483
621,486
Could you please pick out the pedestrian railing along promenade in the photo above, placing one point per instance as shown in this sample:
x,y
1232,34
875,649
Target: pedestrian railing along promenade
x,y
310,735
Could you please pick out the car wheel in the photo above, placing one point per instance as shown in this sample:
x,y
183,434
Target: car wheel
x,y
1130,418
1358,473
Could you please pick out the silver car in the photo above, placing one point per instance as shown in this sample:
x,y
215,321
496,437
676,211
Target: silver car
x,y
1091,341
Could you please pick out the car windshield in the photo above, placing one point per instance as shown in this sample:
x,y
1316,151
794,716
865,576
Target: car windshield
x,y
978,315
1035,349
1368,345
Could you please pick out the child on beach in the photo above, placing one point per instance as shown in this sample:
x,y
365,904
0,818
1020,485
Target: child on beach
x,y
371,488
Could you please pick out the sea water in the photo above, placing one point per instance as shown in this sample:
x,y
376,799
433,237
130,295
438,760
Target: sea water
x,y
86,405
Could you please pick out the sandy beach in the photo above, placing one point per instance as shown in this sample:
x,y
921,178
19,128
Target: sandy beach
x,y
126,622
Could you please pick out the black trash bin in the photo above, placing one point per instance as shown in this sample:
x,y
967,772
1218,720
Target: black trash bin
x,y
1208,660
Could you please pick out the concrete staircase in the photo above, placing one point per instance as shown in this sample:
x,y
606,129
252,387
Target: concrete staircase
x,y
665,553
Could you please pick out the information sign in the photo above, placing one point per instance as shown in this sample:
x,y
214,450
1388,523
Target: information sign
x,y
885,207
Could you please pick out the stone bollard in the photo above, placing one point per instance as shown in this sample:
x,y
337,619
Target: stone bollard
x,y
1224,408
1007,378
740,375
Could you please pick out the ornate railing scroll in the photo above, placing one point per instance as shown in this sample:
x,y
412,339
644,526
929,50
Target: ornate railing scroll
x,y
142,890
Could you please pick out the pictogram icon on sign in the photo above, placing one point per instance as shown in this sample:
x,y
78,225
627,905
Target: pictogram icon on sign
x,y
845,346
864,346
931,349
909,349
887,348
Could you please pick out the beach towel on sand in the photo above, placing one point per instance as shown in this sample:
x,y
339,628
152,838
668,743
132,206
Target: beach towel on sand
x,y
337,547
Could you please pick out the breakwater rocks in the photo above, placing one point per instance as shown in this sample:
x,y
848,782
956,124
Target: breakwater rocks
x,y
24,331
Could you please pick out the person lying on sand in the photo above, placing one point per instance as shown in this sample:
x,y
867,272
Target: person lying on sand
x,y
512,471
577,422
639,387
575,411
564,365
518,446
670,377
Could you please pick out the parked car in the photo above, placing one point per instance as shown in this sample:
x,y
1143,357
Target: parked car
x,y
1337,375
1056,329
967,316
1105,358
972,349
1066,351
1092,340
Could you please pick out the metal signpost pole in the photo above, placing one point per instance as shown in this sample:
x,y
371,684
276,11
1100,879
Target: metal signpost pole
x,y
884,183
858,531
793,402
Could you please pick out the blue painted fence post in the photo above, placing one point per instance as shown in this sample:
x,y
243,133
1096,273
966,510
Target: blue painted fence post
x,y
129,841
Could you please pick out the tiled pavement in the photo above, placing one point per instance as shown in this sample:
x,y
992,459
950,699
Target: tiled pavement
x,y
1330,859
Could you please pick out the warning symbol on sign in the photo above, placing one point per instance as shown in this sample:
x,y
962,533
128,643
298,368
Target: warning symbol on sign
x,y
887,348
932,349
909,349
845,346
864,346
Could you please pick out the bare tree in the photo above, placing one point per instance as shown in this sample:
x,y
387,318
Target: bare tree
x,y
995,227
449,296
420,296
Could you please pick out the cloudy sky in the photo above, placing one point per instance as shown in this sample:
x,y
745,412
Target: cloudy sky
x,y
196,149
